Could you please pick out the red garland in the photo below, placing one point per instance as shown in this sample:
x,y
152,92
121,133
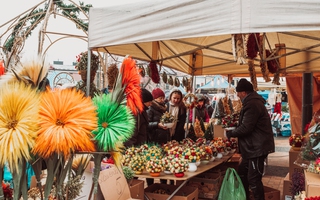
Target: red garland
x,y
154,72
272,64
252,46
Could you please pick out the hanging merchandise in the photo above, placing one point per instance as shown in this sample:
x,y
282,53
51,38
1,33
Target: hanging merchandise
x,y
252,52
170,80
276,78
154,72
263,55
148,72
226,107
142,71
185,81
177,82
164,77
272,64
238,48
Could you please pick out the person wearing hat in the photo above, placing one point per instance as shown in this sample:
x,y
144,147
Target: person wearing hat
x,y
157,132
140,133
201,111
255,138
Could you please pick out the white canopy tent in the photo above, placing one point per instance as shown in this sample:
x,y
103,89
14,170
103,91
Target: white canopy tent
x,y
194,36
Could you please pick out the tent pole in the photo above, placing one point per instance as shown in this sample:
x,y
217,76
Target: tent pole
x,y
307,99
88,72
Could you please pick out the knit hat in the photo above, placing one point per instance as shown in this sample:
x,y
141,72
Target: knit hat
x,y
157,92
146,95
244,85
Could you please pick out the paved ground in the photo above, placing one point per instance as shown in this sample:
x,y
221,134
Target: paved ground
x,y
279,158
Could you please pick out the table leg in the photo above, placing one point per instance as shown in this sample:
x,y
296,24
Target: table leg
x,y
174,192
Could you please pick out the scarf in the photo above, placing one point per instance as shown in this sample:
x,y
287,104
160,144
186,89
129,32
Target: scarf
x,y
174,111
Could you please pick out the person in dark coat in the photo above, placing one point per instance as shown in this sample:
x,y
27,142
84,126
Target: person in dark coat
x,y
201,111
176,107
158,133
140,132
209,106
255,138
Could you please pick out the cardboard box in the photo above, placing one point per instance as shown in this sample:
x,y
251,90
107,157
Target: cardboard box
x,y
218,131
208,184
136,189
269,194
312,184
286,194
293,155
159,191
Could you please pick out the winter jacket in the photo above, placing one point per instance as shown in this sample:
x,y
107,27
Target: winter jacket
x,y
200,113
140,132
254,132
156,134
179,134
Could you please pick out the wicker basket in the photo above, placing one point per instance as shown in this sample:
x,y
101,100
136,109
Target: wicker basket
x,y
83,74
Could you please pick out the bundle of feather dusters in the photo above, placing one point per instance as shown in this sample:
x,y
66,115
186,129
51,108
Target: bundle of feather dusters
x,y
31,73
197,129
112,74
226,107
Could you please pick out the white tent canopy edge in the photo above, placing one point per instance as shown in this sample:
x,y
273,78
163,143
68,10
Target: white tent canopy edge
x,y
183,27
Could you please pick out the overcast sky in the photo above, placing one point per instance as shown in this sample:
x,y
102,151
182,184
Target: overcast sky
x,y
65,50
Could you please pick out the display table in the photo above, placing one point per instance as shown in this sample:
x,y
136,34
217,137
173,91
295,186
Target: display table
x,y
187,175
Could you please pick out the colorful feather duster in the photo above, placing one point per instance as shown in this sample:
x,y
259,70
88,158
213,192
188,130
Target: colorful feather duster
x,y
18,130
131,82
127,87
18,122
115,123
67,118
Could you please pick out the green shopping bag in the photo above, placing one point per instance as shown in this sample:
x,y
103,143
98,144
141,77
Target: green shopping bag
x,y
231,187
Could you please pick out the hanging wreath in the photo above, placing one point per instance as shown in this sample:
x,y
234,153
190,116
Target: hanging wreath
x,y
170,80
185,81
164,77
176,82
190,100
142,71
154,72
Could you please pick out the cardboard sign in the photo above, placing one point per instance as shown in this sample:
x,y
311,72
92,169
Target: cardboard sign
x,y
113,184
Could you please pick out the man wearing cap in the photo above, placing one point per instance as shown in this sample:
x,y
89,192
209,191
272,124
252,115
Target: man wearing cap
x,y
255,138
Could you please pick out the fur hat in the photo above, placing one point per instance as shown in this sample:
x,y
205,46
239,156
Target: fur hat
x,y
244,85
146,95
157,92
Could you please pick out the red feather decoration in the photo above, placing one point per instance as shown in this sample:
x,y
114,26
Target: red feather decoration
x,y
131,83
155,77
252,46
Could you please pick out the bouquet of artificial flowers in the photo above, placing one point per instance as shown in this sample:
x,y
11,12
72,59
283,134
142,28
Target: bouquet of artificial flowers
x,y
231,120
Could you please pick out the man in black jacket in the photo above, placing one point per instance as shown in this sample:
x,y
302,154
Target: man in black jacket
x,y
255,138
